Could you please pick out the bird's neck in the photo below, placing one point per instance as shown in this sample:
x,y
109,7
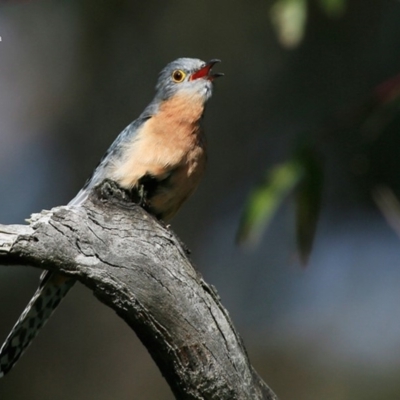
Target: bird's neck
x,y
183,108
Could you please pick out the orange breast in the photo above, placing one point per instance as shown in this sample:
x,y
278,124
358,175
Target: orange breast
x,y
171,142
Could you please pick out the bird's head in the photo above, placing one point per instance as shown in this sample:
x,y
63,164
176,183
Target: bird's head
x,y
187,76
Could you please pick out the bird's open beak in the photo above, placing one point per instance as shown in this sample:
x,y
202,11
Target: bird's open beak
x,y
205,71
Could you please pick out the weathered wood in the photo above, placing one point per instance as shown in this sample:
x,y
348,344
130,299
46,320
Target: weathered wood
x,y
139,268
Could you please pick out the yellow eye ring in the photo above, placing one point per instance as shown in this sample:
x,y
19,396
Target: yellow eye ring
x,y
178,76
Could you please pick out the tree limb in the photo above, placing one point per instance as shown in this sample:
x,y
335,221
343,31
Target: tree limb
x,y
140,269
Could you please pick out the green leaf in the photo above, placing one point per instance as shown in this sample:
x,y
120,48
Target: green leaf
x,y
308,201
265,199
333,8
302,175
289,19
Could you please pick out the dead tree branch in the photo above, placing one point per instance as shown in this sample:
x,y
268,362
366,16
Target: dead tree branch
x,y
140,269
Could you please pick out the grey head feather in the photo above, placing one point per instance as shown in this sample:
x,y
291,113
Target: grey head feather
x,y
167,88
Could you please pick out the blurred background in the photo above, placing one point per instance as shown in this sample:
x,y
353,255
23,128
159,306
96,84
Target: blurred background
x,y
74,73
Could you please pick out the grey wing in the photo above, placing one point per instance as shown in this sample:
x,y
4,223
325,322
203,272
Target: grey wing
x,y
113,153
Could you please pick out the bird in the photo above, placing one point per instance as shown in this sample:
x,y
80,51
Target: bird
x,y
162,151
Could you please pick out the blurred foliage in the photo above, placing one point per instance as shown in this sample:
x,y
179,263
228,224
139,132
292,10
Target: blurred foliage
x,y
333,8
265,199
389,205
301,174
289,18
308,200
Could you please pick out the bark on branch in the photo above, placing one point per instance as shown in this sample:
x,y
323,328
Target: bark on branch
x,y
140,269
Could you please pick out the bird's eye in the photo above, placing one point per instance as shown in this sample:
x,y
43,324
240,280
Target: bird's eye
x,y
178,76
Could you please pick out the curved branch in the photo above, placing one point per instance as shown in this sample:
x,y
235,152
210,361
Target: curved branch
x,y
140,269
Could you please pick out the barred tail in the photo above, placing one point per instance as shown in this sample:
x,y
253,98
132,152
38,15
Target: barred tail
x,y
51,291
